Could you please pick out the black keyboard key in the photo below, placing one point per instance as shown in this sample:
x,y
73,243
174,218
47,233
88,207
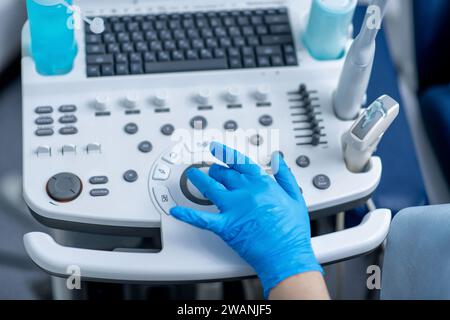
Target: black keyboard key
x,y
262,30
137,36
107,70
191,54
179,34
270,40
121,58
277,19
280,29
163,56
123,37
268,50
219,53
136,68
132,26
256,20
170,45
225,42
177,55
253,41
235,63
149,57
151,35
206,33
263,62
234,32
289,49
212,43
184,66
141,46
146,26
93,39
239,42
248,31
109,38
184,45
198,44
156,46
135,57
113,48
165,35
161,25
247,51
100,59
243,21
291,60
118,27
234,52
249,62
93,71
277,61
229,21
127,47
220,32
95,49
206,54
122,69
193,34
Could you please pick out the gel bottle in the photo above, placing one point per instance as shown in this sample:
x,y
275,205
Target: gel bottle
x,y
53,45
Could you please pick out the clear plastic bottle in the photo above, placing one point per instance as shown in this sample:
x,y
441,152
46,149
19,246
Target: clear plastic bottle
x,y
53,45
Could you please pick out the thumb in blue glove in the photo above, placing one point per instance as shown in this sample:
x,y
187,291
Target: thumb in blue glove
x,y
265,220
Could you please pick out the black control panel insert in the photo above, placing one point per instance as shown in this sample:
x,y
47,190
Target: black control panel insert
x,y
162,43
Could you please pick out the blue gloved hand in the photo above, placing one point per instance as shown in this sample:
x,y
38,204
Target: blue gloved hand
x,y
264,220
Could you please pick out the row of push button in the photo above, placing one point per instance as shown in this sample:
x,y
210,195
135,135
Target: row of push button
x,y
47,120
49,109
99,192
67,149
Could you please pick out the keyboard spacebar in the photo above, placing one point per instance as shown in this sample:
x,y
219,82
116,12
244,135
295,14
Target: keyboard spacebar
x,y
180,66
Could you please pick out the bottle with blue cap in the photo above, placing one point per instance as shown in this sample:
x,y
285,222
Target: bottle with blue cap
x,y
327,31
53,45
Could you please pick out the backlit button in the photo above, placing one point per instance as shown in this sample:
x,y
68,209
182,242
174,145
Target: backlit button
x,y
68,119
131,128
94,148
162,172
199,123
67,108
322,182
266,120
167,129
130,176
303,161
68,149
98,180
44,132
171,157
164,199
42,121
145,147
230,125
68,131
99,192
44,151
43,110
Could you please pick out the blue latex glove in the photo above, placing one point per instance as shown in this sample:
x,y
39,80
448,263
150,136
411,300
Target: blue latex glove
x,y
264,220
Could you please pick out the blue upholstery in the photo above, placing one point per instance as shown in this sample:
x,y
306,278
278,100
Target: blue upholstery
x,y
432,28
417,258
435,104
401,185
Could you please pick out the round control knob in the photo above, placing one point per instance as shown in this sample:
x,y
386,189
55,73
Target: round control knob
x,y
262,93
203,96
233,94
64,187
101,102
161,98
131,100
190,191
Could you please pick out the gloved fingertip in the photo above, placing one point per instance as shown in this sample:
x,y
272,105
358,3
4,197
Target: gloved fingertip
x,y
177,212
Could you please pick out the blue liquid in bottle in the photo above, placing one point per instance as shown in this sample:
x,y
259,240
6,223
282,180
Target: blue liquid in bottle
x,y
53,44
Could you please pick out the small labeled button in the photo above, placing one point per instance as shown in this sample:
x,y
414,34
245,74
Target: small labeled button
x,y
164,199
199,123
99,192
44,151
68,131
44,132
303,161
43,110
130,176
145,147
98,180
69,149
167,129
322,182
256,140
68,119
162,172
131,128
171,157
42,121
266,120
94,148
230,125
67,108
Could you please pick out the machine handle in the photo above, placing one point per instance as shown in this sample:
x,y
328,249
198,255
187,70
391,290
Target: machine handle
x,y
170,265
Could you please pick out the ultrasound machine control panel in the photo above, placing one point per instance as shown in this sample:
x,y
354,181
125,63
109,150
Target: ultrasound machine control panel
x,y
106,147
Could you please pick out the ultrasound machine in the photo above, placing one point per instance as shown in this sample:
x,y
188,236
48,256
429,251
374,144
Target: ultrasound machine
x,y
104,160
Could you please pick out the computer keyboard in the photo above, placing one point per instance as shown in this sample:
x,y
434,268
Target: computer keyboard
x,y
163,43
